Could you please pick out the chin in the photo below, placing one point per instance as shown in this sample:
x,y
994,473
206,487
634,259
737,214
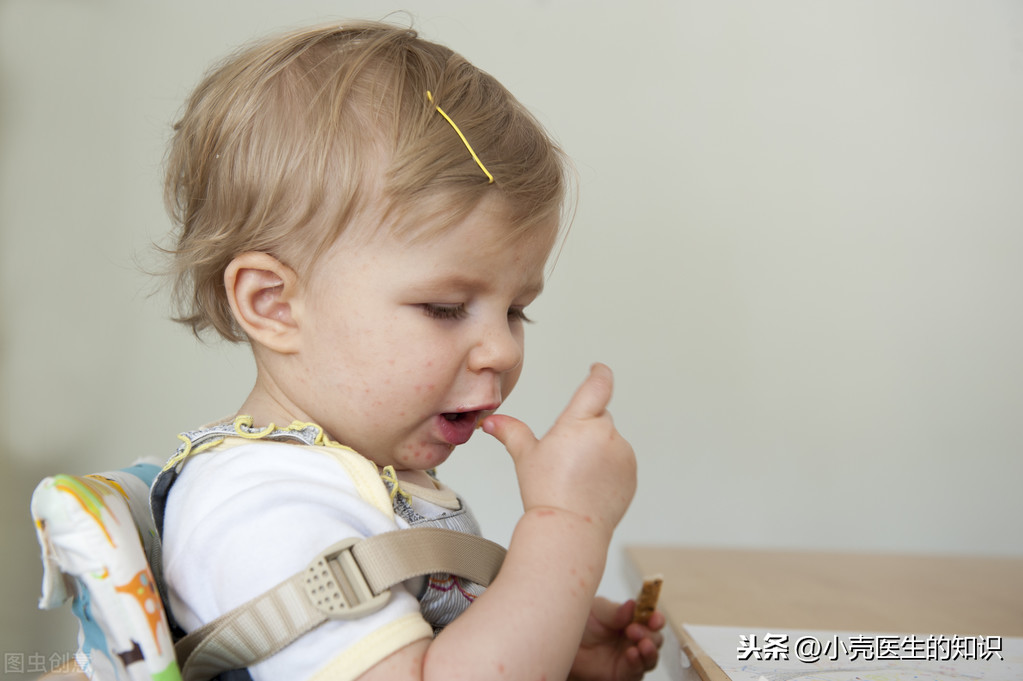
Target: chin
x,y
435,459
423,457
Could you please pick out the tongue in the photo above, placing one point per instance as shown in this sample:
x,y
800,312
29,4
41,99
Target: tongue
x,y
456,429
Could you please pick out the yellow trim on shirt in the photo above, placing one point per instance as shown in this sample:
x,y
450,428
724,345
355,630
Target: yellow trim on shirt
x,y
369,651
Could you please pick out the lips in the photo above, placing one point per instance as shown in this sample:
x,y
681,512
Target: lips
x,y
456,428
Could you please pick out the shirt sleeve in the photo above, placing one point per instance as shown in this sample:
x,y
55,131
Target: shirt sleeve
x,y
241,520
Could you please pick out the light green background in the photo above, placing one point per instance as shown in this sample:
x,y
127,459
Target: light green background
x,y
799,243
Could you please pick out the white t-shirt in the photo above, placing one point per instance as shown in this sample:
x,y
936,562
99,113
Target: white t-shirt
x,y
245,515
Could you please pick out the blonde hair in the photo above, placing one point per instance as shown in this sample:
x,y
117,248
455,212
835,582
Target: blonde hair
x,y
285,142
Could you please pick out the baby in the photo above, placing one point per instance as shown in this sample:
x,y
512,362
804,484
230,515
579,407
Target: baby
x,y
373,215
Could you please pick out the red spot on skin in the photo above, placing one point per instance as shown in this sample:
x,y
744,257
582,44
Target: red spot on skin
x,y
500,668
543,513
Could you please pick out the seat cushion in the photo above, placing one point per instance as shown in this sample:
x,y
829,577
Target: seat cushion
x,y
97,538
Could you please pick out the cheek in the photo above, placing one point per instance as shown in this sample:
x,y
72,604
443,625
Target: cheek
x,y
413,379
509,380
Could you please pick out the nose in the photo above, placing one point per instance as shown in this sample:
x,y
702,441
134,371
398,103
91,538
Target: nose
x,y
500,348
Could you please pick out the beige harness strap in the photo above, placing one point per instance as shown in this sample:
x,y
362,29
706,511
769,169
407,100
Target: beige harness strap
x,y
348,580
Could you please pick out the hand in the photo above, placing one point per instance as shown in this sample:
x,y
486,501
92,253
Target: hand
x,y
582,465
613,647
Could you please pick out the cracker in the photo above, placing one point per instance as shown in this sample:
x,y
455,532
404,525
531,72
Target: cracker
x,y
646,603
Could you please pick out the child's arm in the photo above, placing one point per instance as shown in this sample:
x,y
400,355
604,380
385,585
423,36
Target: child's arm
x,y
576,484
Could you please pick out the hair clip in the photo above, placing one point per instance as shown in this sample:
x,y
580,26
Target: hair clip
x,y
429,95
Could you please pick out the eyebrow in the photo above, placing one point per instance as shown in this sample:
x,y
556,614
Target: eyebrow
x,y
465,283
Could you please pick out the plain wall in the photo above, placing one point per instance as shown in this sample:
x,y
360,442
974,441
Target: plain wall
x,y
798,243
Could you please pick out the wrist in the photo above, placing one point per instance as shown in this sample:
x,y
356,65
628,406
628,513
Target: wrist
x,y
571,540
580,522
569,516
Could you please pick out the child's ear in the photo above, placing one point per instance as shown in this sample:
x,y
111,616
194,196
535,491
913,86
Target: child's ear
x,y
260,289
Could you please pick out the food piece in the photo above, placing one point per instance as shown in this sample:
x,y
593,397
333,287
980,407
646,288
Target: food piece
x,y
646,603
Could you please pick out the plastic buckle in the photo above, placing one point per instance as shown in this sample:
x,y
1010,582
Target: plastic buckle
x,y
336,586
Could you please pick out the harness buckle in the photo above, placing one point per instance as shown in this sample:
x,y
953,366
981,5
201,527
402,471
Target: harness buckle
x,y
337,587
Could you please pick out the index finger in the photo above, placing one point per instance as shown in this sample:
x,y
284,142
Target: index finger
x,y
593,396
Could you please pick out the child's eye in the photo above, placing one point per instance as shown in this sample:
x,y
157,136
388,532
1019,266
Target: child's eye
x,y
437,311
519,314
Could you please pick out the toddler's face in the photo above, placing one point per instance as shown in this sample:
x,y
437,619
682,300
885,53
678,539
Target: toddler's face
x,y
405,348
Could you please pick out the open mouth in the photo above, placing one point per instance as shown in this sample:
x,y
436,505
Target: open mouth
x,y
456,427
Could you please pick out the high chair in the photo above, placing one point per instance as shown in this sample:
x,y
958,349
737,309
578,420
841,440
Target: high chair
x,y
98,542
100,549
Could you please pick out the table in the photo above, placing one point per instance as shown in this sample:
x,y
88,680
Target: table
x,y
965,595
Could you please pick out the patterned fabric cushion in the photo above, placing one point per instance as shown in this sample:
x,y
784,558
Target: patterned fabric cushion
x,y
98,542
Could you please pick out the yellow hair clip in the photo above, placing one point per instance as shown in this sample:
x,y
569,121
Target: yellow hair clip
x,y
429,95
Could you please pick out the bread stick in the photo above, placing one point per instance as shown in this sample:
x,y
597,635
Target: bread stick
x,y
646,603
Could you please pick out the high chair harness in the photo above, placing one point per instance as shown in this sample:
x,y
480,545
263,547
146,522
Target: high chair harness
x,y
350,579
